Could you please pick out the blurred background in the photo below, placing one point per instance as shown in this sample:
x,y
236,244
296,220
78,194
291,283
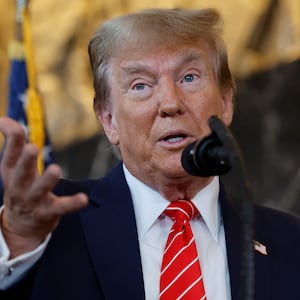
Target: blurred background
x,y
263,38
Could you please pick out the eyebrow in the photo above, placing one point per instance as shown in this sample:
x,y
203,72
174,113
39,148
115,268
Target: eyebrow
x,y
191,56
139,68
136,68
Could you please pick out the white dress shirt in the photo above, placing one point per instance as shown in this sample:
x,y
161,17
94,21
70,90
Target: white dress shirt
x,y
153,229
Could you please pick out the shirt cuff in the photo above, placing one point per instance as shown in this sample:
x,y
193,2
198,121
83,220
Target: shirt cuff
x,y
12,270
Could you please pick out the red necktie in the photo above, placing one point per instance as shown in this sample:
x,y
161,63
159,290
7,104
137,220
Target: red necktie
x,y
181,276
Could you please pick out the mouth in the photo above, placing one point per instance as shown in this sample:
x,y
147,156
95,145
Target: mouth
x,y
175,139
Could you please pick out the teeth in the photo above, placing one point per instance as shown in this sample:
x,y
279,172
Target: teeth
x,y
175,139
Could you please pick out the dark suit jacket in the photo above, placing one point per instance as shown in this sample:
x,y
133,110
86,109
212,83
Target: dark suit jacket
x,y
94,254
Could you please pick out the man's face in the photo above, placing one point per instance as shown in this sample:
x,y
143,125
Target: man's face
x,y
161,100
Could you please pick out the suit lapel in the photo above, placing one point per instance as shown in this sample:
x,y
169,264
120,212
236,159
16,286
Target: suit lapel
x,y
116,255
110,231
232,225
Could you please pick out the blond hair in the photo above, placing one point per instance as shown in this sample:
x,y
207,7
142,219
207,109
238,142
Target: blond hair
x,y
155,27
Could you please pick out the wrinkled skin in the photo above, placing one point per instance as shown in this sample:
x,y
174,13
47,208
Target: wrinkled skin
x,y
160,102
31,209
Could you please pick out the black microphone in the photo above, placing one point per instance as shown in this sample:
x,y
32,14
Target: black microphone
x,y
214,155
206,157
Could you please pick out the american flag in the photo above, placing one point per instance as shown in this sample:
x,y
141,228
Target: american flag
x,y
18,105
259,247
24,102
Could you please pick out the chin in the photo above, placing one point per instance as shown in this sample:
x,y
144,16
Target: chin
x,y
173,170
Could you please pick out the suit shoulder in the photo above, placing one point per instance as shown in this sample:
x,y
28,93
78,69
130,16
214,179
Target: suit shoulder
x,y
268,214
275,223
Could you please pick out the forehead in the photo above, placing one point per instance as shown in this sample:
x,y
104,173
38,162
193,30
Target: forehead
x,y
171,56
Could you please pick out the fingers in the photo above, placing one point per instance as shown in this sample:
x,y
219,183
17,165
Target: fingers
x,y
19,159
23,186
26,167
52,205
68,204
14,136
46,182
31,209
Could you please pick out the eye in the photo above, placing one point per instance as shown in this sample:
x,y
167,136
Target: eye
x,y
139,87
189,78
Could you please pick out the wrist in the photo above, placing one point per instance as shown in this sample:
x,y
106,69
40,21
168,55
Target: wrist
x,y
17,243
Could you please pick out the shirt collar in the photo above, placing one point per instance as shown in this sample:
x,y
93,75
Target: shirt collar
x,y
149,204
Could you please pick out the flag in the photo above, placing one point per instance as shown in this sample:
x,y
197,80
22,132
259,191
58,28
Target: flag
x,y
24,102
259,247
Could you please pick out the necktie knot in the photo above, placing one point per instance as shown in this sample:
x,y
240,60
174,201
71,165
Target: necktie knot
x,y
181,210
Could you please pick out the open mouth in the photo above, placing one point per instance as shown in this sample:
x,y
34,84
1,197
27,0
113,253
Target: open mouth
x,y
174,138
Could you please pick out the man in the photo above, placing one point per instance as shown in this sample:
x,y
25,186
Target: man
x,y
158,76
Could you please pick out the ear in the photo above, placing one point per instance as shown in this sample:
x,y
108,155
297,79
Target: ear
x,y
227,106
107,119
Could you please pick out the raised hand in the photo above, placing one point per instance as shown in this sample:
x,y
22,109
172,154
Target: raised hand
x,y
31,210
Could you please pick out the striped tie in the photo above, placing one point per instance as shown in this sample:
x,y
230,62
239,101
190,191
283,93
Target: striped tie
x,y
181,276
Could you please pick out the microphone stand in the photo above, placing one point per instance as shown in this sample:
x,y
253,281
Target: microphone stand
x,y
216,154
245,206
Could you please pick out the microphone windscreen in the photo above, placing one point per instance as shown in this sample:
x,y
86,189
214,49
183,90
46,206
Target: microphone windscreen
x,y
206,157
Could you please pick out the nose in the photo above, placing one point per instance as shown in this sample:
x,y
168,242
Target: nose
x,y
170,100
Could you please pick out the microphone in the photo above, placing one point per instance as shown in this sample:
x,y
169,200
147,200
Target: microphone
x,y
216,154
206,157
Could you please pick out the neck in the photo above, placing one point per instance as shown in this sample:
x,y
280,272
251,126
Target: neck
x,y
185,187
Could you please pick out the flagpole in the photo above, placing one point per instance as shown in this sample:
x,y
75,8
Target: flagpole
x,y
16,49
21,50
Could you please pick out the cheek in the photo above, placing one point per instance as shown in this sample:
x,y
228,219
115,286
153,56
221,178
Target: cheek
x,y
204,106
207,104
135,121
139,113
